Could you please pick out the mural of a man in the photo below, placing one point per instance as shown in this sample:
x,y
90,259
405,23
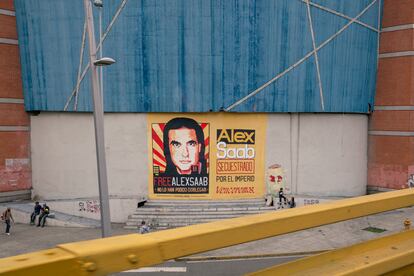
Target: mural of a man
x,y
184,147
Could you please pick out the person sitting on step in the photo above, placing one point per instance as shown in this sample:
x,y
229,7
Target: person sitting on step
x,y
143,229
282,196
292,203
43,215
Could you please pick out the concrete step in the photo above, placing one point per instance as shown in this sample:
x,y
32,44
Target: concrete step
x,y
206,201
164,214
207,209
171,224
199,214
204,204
177,217
158,228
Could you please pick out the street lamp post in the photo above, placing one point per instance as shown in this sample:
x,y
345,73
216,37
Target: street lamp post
x,y
98,116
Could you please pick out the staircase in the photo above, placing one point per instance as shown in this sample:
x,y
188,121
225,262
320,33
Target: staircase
x,y
165,214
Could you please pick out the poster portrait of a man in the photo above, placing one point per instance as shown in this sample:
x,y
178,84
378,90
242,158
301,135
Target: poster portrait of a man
x,y
184,148
180,156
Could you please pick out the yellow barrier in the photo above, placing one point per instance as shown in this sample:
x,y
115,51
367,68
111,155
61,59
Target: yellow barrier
x,y
104,256
393,254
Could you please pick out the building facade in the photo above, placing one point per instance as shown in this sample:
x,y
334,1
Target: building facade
x,y
283,92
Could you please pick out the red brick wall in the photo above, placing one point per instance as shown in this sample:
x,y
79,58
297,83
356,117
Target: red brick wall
x,y
389,160
8,27
395,81
392,120
397,12
404,38
15,173
15,170
7,5
10,76
391,139
16,116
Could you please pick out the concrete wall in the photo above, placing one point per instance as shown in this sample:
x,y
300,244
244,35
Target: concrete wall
x,y
64,159
323,156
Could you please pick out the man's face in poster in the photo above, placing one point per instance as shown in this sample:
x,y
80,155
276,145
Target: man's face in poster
x,y
184,149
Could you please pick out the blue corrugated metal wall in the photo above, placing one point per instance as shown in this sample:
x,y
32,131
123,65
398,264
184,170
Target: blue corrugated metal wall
x,y
205,55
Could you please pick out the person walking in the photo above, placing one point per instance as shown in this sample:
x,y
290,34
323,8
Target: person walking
x,y
43,215
36,212
8,218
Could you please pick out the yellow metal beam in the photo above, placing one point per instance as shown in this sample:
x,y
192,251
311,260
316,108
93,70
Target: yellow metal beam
x,y
104,256
392,255
42,262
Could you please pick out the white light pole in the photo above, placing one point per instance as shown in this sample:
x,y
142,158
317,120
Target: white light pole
x,y
98,116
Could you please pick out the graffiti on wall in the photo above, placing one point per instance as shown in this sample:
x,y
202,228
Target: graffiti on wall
x,y
89,206
16,164
310,201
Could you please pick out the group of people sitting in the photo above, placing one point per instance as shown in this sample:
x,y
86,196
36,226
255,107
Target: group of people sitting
x,y
42,212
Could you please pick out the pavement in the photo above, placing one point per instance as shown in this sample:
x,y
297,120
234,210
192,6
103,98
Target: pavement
x,y
25,238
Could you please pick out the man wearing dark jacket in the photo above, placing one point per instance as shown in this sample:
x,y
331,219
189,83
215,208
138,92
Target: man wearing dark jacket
x,y
43,215
282,196
36,212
